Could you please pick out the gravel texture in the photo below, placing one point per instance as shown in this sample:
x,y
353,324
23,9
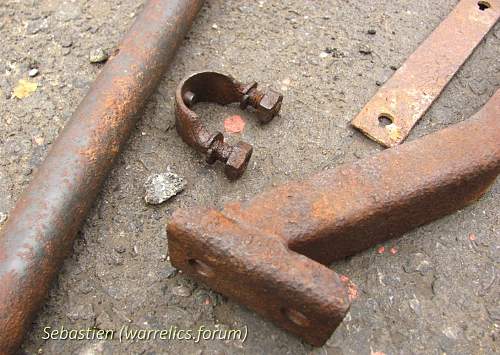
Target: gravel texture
x,y
433,291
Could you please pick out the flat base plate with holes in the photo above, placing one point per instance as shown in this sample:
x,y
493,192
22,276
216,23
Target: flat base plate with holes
x,y
404,99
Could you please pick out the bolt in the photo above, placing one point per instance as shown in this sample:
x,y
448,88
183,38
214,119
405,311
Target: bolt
x,y
238,160
235,157
267,103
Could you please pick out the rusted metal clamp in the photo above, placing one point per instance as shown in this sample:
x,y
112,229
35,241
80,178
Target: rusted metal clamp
x,y
280,241
221,89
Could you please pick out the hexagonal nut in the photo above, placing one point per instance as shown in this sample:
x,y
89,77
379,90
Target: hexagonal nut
x,y
238,160
269,105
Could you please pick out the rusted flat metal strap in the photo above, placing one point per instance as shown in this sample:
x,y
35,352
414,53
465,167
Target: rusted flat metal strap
x,y
403,100
269,253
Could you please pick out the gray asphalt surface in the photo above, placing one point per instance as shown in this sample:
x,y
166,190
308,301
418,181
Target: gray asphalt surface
x,y
433,291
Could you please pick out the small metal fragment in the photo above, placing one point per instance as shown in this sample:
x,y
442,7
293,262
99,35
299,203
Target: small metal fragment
x,y
221,89
407,95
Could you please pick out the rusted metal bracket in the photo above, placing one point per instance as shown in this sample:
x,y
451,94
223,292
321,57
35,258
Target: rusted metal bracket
x,y
390,115
270,253
221,89
40,231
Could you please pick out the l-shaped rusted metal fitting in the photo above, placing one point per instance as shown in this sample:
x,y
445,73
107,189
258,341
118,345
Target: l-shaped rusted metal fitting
x,y
270,253
221,89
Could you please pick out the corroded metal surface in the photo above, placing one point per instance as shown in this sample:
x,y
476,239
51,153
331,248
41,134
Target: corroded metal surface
x,y
269,253
397,106
44,222
221,89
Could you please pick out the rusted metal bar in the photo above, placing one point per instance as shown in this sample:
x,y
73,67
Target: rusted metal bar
x,y
221,89
397,106
270,253
44,222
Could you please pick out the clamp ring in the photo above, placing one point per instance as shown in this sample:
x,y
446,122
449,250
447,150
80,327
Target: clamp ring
x,y
222,89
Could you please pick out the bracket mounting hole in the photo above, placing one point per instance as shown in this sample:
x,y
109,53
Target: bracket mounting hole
x,y
296,317
483,5
201,268
384,120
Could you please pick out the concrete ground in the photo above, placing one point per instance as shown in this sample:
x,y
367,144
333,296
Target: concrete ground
x,y
433,291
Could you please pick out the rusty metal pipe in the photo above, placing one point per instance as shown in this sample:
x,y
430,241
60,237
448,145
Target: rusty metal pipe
x,y
269,253
44,222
